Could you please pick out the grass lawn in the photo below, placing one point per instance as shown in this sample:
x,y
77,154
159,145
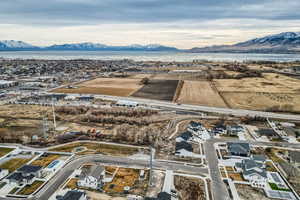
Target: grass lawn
x,y
72,184
14,163
275,187
4,151
13,191
45,160
29,189
97,148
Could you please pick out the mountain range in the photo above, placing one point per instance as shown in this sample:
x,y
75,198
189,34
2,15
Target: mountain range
x,y
12,45
287,42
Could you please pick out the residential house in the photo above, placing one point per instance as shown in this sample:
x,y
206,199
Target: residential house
x,y
235,130
73,195
183,149
25,175
185,136
92,177
253,171
198,130
238,149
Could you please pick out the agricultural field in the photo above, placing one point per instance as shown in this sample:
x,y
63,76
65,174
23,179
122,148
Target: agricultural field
x,y
105,86
263,101
272,92
158,90
200,93
270,82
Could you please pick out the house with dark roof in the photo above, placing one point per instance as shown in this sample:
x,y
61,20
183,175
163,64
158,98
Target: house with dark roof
x,y
238,149
253,171
294,158
183,149
185,136
25,175
73,195
92,177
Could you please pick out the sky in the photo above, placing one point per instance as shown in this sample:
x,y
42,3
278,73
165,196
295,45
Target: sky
x,y
179,23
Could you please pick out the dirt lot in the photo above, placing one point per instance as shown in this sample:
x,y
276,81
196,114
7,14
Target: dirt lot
x,y
106,86
158,89
21,111
200,93
126,177
97,196
189,188
247,192
4,151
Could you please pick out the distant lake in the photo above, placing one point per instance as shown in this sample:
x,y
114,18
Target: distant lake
x,y
147,56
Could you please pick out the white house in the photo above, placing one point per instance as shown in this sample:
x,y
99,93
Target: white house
x,y
92,178
253,171
198,130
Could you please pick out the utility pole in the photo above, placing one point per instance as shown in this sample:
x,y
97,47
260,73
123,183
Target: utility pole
x,y
53,112
151,167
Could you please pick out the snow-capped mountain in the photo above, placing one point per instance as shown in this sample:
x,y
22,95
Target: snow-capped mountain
x,y
287,42
99,47
12,44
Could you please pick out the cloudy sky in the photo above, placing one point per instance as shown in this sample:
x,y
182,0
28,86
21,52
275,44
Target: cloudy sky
x,y
180,23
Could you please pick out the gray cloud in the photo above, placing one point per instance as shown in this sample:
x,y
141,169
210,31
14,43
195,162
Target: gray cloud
x,y
79,12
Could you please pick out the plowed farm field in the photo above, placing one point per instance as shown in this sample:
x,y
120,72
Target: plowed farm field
x,y
200,93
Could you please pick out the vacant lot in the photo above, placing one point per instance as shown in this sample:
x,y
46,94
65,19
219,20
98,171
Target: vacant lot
x,y
246,192
200,93
106,86
189,188
263,101
158,90
272,83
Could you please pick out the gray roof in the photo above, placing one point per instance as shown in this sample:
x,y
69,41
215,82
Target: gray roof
x,y
241,148
18,176
94,171
295,156
30,169
250,166
73,195
260,157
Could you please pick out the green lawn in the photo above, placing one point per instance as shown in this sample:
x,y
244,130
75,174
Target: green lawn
x,y
4,151
275,187
29,189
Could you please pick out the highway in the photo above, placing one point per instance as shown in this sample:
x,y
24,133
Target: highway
x,y
193,108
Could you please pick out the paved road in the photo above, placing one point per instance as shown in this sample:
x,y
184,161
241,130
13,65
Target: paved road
x,y
186,107
64,173
219,190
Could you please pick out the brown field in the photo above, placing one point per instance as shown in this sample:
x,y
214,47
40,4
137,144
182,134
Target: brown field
x,y
189,188
45,160
158,90
29,189
106,86
4,151
14,163
200,93
263,101
271,82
